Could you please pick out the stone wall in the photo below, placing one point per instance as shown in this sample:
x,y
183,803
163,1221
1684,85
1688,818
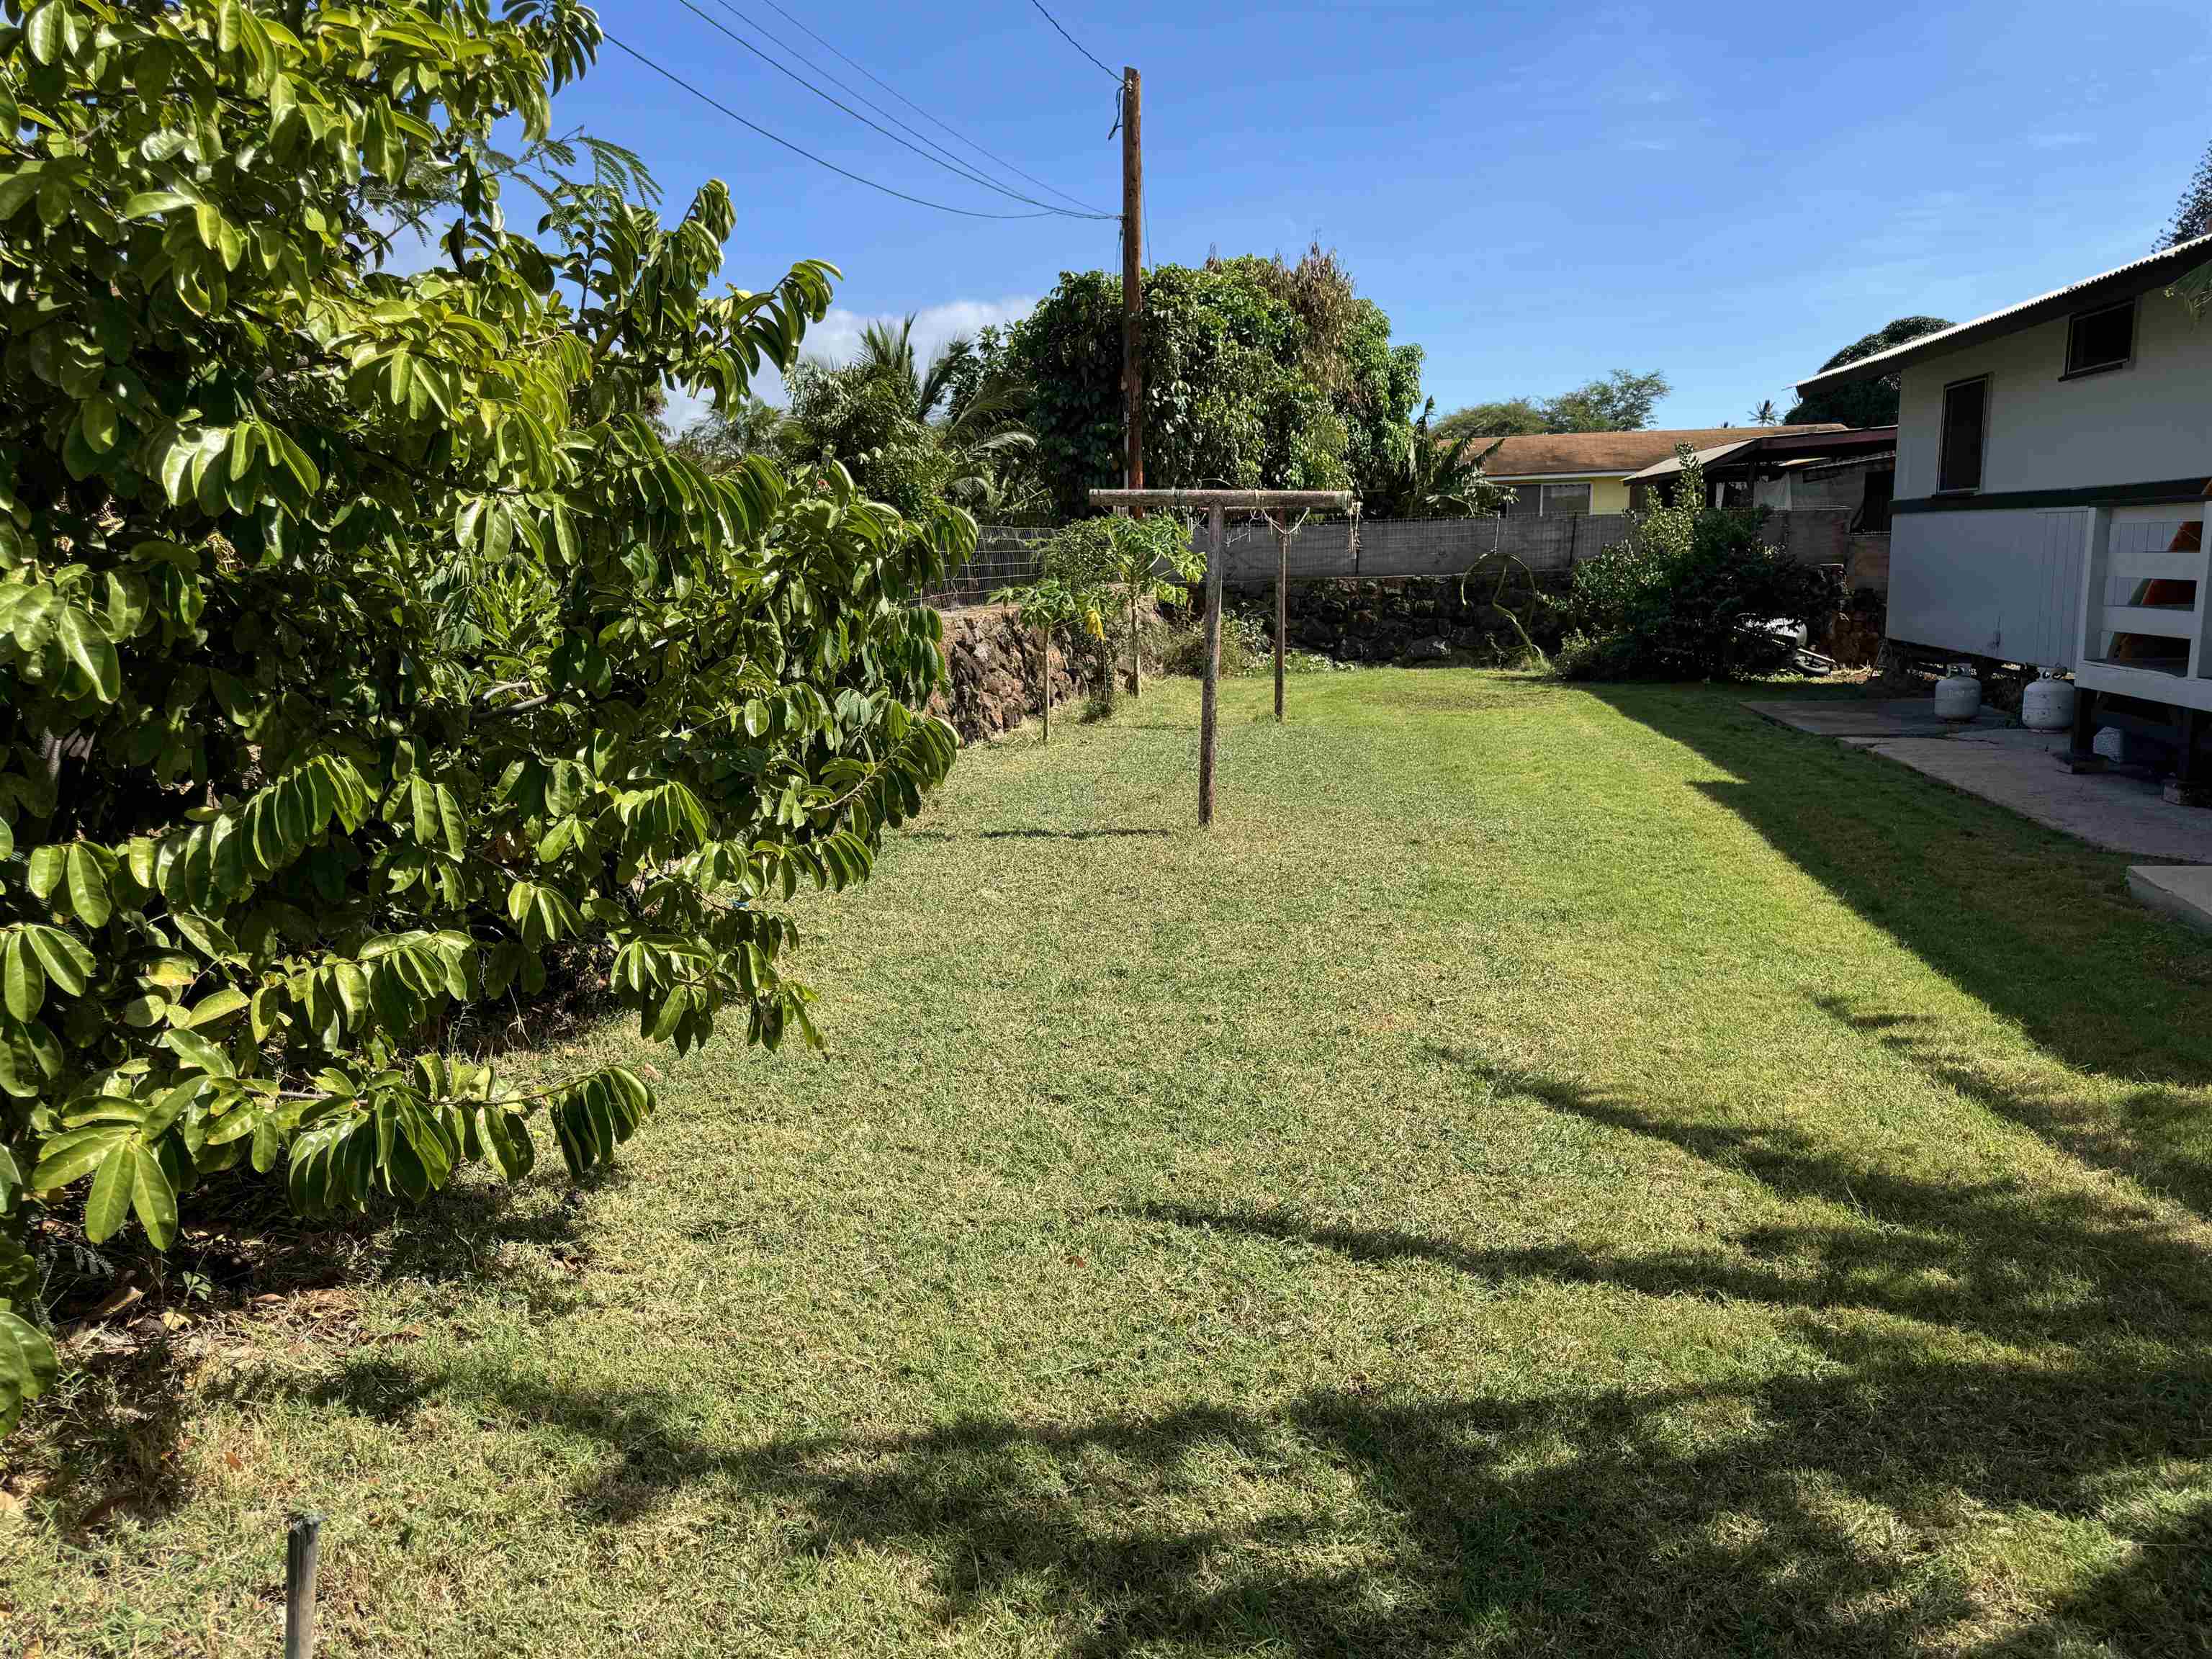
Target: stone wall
x,y
1409,619
991,663
1855,638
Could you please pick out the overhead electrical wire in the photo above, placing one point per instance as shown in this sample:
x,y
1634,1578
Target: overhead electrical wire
x,y
1070,39
965,169
670,75
951,167
935,121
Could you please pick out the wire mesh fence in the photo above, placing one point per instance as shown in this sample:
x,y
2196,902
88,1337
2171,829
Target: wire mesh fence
x,y
1336,547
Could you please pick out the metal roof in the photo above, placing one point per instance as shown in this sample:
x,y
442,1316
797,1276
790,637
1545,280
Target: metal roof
x,y
1673,463
1792,445
2122,284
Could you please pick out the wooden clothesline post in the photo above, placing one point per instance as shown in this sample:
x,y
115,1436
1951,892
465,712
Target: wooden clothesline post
x,y
1282,609
1218,504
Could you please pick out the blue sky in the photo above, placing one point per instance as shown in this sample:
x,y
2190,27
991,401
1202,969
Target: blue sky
x,y
1535,194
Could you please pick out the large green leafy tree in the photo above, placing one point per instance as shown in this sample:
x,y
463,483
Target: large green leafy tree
x,y
2192,214
360,639
1865,402
1257,374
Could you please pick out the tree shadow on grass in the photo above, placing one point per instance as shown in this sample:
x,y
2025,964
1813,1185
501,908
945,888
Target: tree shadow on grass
x,y
1969,1349
106,1445
2034,924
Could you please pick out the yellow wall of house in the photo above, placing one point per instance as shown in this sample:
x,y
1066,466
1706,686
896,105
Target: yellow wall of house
x,y
1606,495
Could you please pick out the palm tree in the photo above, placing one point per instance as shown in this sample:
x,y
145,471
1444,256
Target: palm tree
x,y
887,354
960,407
719,438
1766,414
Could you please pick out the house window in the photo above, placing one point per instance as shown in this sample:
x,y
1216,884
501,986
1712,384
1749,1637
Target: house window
x,y
1965,426
1565,498
2102,339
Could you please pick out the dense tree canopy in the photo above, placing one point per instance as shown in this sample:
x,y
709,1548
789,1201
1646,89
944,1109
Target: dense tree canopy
x,y
1257,374
1867,403
2192,214
1620,402
363,644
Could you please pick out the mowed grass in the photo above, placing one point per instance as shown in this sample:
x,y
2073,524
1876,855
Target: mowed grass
x,y
1551,1172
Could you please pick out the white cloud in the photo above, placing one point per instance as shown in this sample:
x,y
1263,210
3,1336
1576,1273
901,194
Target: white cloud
x,y
836,337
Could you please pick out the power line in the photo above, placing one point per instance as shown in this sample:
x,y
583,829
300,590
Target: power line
x,y
1070,39
794,74
934,121
964,169
670,75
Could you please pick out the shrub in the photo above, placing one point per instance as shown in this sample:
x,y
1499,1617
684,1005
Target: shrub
x,y
362,639
1685,597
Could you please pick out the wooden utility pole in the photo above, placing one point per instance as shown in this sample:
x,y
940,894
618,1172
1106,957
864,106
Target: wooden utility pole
x,y
1132,275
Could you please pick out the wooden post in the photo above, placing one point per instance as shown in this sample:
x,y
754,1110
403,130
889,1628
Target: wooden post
x,y
1136,652
302,1546
1282,610
2081,756
1132,273
1210,688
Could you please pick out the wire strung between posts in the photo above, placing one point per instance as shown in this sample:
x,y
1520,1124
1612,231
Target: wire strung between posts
x,y
1070,39
951,167
714,102
938,122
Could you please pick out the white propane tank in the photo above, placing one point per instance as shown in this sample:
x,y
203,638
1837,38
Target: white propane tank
x,y
1959,694
2047,705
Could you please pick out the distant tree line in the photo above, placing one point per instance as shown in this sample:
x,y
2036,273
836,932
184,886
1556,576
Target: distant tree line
x,y
1259,374
1620,402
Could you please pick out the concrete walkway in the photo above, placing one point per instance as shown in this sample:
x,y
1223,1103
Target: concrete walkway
x,y
2014,767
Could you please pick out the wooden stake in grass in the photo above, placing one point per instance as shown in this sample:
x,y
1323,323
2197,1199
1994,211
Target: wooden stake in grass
x,y
1209,696
302,1550
1282,608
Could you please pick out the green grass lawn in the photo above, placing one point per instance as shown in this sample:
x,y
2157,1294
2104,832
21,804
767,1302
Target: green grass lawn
x,y
1554,1171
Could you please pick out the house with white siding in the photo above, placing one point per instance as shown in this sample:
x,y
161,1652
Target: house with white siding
x,y
2051,471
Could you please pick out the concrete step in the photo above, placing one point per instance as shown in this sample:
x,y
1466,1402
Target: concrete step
x,y
2183,890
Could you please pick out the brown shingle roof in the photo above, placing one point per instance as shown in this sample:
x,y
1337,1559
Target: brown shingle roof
x,y
1548,454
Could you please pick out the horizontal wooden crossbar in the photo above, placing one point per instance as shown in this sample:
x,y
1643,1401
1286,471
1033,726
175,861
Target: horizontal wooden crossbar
x,y
1341,501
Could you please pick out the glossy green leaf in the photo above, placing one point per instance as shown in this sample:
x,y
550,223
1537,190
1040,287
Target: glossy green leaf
x,y
87,883
107,1206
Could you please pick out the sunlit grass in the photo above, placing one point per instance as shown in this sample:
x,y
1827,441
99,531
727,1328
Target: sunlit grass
x,y
1550,1172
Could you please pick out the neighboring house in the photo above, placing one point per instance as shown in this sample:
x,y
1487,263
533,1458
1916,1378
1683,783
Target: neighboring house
x,y
2052,463
1839,468
1558,472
